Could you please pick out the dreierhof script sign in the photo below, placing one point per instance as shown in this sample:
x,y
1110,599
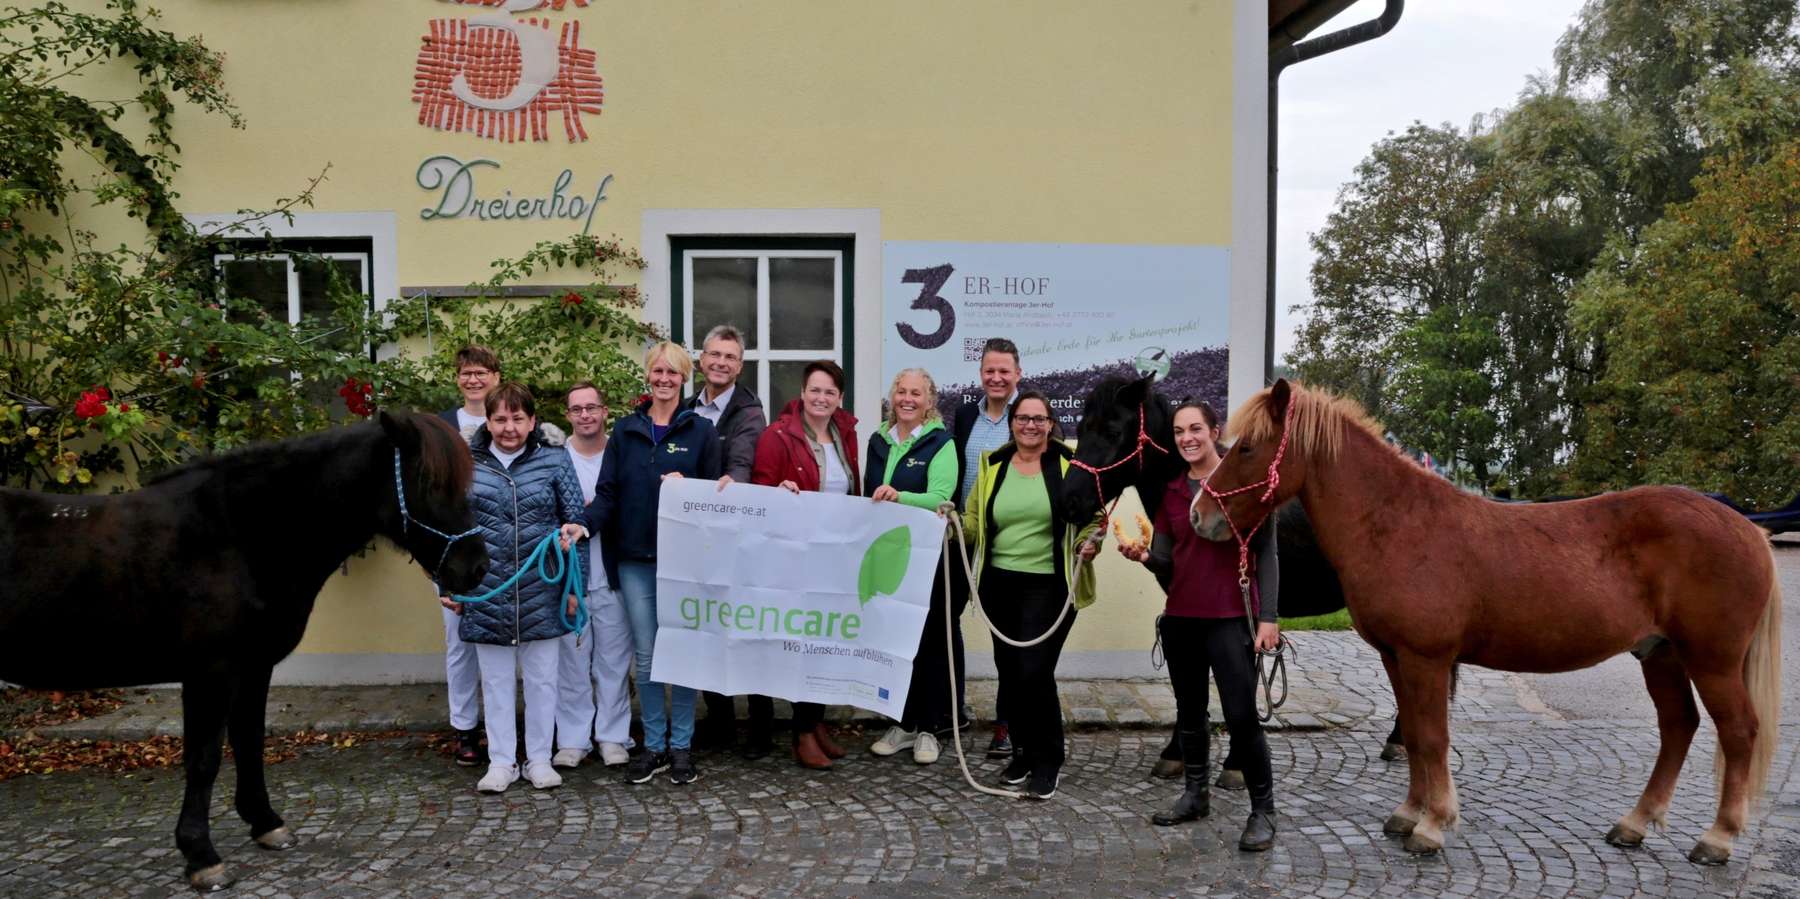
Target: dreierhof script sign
x,y
804,596
458,195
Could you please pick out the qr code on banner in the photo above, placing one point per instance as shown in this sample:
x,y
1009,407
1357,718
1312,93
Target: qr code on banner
x,y
972,348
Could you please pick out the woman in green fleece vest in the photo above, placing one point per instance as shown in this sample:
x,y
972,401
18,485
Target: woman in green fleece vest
x,y
1025,566
912,460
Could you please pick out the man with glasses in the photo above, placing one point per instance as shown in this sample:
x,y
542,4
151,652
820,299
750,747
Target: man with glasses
x,y
982,427
477,374
593,702
737,414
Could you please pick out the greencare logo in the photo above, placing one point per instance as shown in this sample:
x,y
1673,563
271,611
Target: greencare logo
x,y
673,448
883,568
884,565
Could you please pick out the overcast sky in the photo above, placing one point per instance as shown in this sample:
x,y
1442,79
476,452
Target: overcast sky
x,y
1446,61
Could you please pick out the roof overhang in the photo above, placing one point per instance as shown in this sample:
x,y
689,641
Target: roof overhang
x,y
1290,21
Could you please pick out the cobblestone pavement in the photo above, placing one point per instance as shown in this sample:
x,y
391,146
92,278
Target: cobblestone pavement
x,y
392,818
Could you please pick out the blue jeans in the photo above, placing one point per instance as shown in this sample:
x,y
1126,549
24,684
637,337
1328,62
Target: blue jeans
x,y
667,724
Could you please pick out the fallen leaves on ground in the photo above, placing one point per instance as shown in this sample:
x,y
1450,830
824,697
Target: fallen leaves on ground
x,y
33,754
22,709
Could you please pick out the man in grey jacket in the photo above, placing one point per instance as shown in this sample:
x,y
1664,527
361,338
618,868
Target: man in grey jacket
x,y
737,414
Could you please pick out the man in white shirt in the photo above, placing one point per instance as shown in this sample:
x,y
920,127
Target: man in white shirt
x,y
594,703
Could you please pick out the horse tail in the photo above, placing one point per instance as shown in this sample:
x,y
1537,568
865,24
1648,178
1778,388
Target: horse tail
x,y
1762,679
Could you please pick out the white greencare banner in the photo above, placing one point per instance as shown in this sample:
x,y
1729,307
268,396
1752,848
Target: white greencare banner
x,y
804,596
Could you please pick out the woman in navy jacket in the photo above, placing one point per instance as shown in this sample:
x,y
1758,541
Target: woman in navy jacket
x,y
656,441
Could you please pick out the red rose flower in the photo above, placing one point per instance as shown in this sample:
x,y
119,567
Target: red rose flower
x,y
92,404
571,299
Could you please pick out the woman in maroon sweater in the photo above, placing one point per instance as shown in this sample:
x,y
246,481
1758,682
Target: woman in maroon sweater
x,y
1204,627
812,446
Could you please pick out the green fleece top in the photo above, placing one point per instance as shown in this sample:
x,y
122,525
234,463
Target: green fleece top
x,y
940,478
1022,540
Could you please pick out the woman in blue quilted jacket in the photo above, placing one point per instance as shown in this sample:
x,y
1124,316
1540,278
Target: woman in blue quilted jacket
x,y
523,491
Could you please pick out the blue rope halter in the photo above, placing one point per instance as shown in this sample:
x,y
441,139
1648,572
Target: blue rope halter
x,y
568,565
407,521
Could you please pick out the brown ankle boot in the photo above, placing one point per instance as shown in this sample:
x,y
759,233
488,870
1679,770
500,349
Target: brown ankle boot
x,y
808,754
826,743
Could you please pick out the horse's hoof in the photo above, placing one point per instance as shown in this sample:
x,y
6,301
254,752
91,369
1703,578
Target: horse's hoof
x,y
1707,854
1624,837
1229,779
211,879
278,840
1393,752
1397,826
1421,845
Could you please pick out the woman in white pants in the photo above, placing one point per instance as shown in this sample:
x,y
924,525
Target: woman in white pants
x,y
594,706
524,490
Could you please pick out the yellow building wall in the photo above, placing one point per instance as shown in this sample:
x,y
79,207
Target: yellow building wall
x,y
1018,121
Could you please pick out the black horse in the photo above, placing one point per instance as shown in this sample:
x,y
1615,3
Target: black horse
x,y
1112,418
206,577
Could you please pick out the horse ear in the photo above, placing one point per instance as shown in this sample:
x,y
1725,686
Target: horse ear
x,y
1279,396
400,430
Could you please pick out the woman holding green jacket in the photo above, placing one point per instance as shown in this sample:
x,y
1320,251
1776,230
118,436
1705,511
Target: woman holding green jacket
x,y
912,460
1025,568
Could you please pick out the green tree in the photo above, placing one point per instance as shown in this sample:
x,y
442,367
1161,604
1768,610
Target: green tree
x,y
1403,241
1702,321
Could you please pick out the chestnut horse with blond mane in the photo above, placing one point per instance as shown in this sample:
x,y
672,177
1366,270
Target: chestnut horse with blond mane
x,y
1680,580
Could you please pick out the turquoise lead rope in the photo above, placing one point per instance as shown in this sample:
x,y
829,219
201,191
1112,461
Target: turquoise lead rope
x,y
567,578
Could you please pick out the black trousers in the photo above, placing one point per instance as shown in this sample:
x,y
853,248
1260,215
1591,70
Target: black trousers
x,y
1193,646
762,712
808,715
1024,606
932,698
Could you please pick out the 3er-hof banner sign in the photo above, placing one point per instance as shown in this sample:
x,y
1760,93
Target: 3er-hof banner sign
x,y
1077,312
806,596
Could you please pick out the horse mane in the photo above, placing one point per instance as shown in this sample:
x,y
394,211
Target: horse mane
x,y
444,461
1104,394
1317,427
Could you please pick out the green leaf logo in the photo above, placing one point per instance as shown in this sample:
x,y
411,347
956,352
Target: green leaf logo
x,y
884,565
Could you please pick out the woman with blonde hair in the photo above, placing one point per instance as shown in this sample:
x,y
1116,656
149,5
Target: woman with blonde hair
x,y
657,441
912,460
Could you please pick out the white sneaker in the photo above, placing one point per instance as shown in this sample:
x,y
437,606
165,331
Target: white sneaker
x,y
542,776
568,758
614,754
925,750
896,739
497,779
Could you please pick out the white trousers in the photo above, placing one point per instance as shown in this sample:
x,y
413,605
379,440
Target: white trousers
x,y
501,669
594,698
462,675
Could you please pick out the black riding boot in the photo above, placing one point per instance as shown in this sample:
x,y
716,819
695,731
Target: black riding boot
x,y
1196,800
1259,831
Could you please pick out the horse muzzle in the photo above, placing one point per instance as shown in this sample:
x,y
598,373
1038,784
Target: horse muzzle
x,y
1210,524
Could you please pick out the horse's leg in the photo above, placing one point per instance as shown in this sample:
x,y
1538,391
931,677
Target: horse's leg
x,y
1428,741
203,706
1676,718
1395,747
1401,822
249,704
1727,700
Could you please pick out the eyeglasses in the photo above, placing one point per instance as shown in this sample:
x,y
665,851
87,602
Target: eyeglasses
x,y
1037,420
590,409
823,391
474,374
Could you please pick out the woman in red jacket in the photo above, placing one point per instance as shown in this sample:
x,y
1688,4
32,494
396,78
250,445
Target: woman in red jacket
x,y
812,446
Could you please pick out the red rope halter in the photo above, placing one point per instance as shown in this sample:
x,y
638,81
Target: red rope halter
x,y
1137,452
1272,481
